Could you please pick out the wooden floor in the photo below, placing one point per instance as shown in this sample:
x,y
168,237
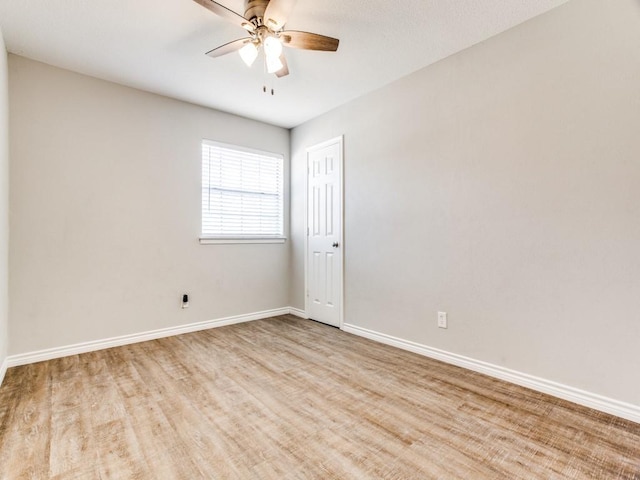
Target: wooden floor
x,y
286,398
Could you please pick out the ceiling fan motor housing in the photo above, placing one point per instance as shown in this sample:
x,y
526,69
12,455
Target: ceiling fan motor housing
x,y
254,11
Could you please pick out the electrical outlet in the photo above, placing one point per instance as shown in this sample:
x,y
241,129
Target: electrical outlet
x,y
185,301
442,319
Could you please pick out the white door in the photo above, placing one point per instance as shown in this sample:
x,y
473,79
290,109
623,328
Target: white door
x,y
324,232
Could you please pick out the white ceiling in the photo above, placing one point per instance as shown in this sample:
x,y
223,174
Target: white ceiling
x,y
159,46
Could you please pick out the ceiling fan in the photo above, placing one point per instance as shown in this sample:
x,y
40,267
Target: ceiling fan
x,y
264,20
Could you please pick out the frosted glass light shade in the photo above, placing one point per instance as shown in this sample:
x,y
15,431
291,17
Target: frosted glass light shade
x,y
273,64
249,53
272,47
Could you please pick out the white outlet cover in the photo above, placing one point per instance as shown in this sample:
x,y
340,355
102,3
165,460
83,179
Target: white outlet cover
x,y
442,319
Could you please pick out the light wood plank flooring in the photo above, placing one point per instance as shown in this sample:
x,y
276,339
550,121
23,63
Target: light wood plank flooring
x,y
286,398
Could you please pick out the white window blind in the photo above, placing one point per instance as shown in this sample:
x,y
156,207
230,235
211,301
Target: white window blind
x,y
242,192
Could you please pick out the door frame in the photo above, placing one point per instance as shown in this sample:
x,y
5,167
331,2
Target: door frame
x,y
340,141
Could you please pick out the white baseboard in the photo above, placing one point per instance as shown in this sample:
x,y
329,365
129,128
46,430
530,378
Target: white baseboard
x,y
58,352
3,369
298,313
581,397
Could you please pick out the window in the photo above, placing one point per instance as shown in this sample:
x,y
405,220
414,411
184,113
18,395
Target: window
x,y
242,195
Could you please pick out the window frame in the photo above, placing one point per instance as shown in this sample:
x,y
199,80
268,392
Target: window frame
x,y
239,238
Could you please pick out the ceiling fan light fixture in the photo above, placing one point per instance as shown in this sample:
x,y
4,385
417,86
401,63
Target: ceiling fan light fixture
x,y
249,53
272,47
274,64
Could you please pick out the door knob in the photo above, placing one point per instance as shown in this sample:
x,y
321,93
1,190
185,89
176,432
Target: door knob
x,y
336,245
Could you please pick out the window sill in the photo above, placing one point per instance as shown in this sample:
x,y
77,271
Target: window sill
x,y
226,241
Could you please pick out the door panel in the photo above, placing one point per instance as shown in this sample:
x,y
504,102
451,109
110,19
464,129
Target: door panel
x,y
324,274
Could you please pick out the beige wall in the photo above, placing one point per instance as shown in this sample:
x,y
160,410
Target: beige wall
x,y
501,185
4,205
105,213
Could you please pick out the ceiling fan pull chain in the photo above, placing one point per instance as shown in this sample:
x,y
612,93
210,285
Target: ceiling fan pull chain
x,y
264,77
268,81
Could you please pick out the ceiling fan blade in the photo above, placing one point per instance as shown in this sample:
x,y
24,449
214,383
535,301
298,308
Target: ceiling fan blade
x,y
277,13
284,71
309,41
227,14
228,47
